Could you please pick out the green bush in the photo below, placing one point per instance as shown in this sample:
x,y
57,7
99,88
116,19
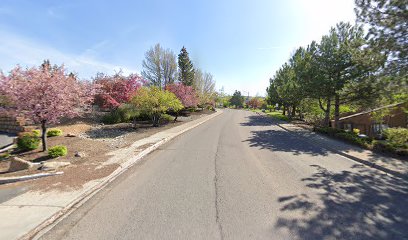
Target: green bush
x,y
125,113
352,138
328,130
37,133
397,136
28,142
112,117
54,132
57,151
381,146
165,118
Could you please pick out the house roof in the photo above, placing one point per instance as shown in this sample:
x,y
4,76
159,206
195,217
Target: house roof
x,y
369,111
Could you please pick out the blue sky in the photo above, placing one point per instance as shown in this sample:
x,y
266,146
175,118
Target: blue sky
x,y
242,43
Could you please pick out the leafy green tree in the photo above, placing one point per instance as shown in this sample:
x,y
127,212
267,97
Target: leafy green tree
x,y
155,102
388,20
186,68
237,99
339,68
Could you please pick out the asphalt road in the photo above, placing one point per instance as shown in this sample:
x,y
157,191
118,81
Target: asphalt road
x,y
240,176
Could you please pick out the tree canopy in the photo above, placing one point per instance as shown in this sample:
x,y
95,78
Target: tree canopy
x,y
186,68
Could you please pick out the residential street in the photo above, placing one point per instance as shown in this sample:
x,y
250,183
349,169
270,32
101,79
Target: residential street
x,y
241,176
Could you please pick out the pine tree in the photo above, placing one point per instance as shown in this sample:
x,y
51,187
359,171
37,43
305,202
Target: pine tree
x,y
186,69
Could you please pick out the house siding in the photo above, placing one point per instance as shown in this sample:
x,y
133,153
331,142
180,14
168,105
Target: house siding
x,y
364,122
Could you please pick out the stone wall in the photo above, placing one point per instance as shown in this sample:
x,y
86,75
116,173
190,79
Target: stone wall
x,y
11,124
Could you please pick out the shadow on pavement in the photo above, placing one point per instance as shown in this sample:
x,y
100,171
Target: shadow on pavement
x,y
282,141
352,206
279,139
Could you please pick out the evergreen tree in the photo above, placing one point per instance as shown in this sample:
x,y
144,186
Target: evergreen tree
x,y
186,69
237,99
388,30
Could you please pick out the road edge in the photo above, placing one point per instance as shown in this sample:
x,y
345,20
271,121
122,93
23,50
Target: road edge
x,y
348,156
47,224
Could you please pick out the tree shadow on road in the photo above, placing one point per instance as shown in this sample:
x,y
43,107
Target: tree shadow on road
x,y
282,141
351,205
259,120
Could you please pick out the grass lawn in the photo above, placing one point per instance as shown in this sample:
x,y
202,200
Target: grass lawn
x,y
277,115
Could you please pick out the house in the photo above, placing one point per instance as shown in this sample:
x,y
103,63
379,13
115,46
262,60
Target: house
x,y
396,116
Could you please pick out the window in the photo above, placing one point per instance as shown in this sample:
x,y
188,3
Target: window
x,y
379,127
348,127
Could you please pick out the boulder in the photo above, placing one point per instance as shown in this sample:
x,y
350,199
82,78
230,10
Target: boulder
x,y
53,165
18,164
80,154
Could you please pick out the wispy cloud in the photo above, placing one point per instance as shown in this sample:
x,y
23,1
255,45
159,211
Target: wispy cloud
x,y
15,50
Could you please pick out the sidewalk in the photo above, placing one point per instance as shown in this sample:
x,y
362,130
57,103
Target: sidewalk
x,y
386,164
27,214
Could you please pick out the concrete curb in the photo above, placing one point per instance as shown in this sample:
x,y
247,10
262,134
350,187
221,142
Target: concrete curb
x,y
351,157
27,177
7,147
41,229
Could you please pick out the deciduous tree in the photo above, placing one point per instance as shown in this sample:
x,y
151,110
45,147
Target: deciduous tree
x,y
159,66
117,89
45,94
155,102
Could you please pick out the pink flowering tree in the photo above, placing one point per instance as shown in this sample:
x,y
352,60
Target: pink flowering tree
x,y
45,95
186,94
116,89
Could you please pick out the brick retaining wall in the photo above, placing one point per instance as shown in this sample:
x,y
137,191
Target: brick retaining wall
x,y
11,124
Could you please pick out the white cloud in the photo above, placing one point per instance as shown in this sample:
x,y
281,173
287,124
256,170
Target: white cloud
x,y
15,50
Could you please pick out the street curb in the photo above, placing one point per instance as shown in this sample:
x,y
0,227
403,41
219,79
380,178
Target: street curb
x,y
351,157
41,229
6,180
7,147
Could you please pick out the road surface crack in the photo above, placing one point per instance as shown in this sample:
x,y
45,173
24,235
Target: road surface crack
x,y
217,211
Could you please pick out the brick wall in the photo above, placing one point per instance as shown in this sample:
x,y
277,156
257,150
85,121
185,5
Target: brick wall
x,y
11,124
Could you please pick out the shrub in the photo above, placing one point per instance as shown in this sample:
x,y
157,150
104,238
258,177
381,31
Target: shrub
x,y
397,136
211,108
352,138
54,132
382,146
165,118
57,151
328,130
28,142
125,113
112,117
37,133
356,131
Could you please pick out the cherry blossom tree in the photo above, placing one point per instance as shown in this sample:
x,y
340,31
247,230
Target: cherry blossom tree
x,y
186,94
116,89
45,94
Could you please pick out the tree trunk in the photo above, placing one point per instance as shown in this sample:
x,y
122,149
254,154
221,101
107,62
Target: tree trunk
x,y
327,113
337,111
156,119
284,110
44,136
175,119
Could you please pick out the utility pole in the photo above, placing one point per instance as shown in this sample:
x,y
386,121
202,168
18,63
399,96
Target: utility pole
x,y
247,100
